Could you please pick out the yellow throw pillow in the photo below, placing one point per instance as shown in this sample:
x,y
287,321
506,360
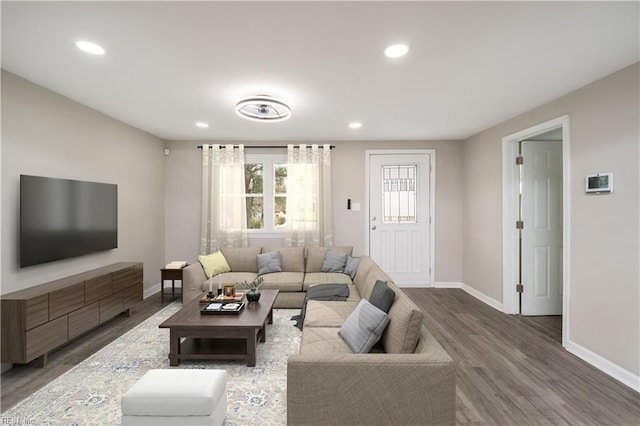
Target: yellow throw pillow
x,y
214,264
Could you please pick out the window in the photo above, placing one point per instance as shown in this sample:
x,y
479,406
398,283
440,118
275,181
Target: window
x,y
266,191
399,193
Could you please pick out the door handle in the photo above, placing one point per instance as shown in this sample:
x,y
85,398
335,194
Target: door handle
x,y
373,227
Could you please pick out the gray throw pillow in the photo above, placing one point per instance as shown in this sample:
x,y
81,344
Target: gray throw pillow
x,y
351,266
334,261
364,327
382,296
269,262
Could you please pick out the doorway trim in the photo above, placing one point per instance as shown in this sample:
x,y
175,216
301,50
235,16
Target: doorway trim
x,y
432,198
510,216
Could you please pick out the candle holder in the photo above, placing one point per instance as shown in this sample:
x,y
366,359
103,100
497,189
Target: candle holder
x,y
229,290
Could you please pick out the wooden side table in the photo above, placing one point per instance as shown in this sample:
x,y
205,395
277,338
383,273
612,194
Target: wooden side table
x,y
173,275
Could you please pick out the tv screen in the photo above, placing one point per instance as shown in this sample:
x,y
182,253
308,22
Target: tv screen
x,y
62,218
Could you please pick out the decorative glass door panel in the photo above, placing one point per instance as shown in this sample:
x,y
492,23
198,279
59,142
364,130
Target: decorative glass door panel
x,y
399,193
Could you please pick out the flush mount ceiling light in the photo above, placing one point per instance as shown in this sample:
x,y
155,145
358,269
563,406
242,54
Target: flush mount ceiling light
x,y
202,124
396,50
87,46
355,125
263,108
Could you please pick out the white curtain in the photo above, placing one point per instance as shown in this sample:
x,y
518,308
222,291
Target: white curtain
x,y
309,213
224,218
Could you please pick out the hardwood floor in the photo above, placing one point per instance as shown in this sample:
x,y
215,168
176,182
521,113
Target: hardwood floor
x,y
510,370
22,380
513,370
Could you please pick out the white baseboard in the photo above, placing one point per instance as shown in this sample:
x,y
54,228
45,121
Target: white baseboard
x,y
150,291
447,284
472,291
622,375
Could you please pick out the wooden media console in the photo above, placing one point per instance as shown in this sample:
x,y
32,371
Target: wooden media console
x,y
39,319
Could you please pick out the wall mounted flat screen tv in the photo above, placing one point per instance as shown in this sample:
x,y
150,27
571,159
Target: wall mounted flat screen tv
x,y
62,218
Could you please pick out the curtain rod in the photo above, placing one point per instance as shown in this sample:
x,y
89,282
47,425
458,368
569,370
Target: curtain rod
x,y
269,146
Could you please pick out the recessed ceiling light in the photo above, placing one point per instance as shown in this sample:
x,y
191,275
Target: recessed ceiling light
x,y
202,124
396,50
355,125
89,47
263,108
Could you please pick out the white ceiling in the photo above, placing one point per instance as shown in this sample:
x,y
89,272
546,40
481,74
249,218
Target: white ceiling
x,y
169,64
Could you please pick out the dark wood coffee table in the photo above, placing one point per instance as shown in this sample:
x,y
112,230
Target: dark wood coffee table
x,y
221,336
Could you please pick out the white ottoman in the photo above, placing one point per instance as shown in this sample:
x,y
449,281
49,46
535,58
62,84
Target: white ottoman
x,y
176,397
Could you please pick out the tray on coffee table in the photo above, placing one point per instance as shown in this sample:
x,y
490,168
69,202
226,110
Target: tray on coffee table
x,y
218,308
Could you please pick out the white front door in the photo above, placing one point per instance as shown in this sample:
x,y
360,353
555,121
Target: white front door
x,y
542,227
400,214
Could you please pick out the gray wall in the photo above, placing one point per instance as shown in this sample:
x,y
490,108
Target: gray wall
x,y
604,287
348,178
46,134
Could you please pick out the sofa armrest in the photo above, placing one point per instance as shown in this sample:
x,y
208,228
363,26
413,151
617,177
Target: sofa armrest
x,y
192,278
366,389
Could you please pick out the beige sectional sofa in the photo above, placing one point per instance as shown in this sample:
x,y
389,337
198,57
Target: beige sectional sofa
x,y
301,268
410,381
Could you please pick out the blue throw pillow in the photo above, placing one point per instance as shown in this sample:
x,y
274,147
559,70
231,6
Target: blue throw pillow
x,y
269,262
334,261
352,266
364,327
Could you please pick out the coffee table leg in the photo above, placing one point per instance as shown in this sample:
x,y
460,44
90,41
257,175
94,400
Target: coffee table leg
x,y
251,348
174,348
270,317
263,332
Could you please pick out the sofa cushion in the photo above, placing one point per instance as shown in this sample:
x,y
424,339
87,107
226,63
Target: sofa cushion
x,y
313,278
322,340
405,320
269,262
242,259
292,258
364,327
328,313
315,256
214,263
366,263
374,274
351,266
237,277
283,281
334,261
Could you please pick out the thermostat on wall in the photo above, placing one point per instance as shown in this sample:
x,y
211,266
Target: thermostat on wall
x,y
599,183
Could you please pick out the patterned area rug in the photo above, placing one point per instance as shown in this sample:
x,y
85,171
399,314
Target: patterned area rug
x,y
89,394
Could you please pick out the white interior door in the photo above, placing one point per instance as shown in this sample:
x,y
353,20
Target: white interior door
x,y
542,229
399,216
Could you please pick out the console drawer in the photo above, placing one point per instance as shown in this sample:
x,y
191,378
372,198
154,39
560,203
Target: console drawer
x,y
37,311
123,279
65,300
111,306
84,319
46,337
96,289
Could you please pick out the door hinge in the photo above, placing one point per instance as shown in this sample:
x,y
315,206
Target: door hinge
x,y
520,288
519,224
519,160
